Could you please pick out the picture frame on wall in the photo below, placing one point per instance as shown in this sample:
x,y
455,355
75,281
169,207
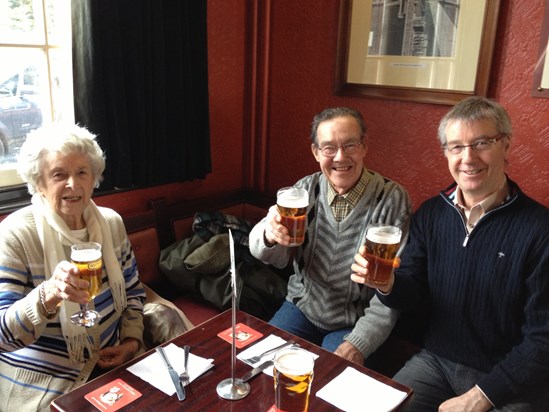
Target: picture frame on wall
x,y
541,71
429,51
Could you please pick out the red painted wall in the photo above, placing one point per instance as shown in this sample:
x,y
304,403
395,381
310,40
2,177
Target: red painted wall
x,y
402,135
261,111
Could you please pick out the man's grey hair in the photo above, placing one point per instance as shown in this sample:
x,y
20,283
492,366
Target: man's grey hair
x,y
332,113
476,108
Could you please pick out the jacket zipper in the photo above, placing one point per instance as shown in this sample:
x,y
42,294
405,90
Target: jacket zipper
x,y
467,234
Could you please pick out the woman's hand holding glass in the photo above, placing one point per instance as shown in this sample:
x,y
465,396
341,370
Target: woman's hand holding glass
x,y
65,285
360,271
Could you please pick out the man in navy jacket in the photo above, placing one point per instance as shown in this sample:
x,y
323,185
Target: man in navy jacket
x,y
479,255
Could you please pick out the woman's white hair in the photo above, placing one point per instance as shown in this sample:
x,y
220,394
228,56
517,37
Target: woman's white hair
x,y
59,138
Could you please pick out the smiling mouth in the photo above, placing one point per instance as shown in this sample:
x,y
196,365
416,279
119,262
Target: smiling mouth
x,y
471,172
342,168
72,198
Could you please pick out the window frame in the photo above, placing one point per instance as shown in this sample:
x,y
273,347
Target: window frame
x,y
13,190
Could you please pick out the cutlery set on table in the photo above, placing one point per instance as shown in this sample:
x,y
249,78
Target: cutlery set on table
x,y
180,374
181,380
259,356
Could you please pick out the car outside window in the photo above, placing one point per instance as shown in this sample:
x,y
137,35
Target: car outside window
x,y
20,110
35,76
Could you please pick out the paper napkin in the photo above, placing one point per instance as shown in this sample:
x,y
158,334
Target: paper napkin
x,y
270,342
153,370
351,390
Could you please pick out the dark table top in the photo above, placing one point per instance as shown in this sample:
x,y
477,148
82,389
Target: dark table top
x,y
202,394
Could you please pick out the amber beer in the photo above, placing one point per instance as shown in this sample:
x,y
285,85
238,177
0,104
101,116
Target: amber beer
x,y
293,375
382,243
87,257
292,205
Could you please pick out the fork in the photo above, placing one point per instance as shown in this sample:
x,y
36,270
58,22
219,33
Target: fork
x,y
184,376
257,358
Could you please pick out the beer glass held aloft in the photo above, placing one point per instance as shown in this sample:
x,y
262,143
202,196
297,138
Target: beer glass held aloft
x,y
382,244
88,259
292,205
293,375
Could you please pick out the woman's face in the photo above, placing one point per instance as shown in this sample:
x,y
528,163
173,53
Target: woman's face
x,y
67,184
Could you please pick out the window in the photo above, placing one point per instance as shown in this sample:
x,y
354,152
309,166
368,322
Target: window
x,y
35,76
139,76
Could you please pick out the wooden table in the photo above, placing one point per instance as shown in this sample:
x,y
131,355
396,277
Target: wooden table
x,y
201,394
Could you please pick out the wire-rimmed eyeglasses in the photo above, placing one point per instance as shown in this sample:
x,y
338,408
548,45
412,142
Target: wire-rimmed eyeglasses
x,y
480,145
348,148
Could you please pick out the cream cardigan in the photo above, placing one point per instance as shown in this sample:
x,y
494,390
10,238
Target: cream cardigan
x,y
34,364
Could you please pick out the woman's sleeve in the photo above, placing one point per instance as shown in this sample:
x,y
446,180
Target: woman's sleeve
x,y
131,325
21,314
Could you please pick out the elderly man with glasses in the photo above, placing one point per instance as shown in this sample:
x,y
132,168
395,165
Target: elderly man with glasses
x,y
323,305
478,253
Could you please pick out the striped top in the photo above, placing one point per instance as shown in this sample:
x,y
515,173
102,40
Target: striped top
x,y
321,285
34,363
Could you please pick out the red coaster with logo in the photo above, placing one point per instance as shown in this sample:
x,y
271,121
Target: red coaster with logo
x,y
112,396
244,335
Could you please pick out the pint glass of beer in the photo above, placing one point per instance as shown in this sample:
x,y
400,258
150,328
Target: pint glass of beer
x,y
382,243
292,205
293,376
88,258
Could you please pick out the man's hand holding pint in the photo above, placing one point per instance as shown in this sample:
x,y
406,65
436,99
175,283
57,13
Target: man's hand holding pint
x,y
360,272
286,221
275,231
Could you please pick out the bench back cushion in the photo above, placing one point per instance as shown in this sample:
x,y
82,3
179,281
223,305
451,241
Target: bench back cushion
x,y
147,251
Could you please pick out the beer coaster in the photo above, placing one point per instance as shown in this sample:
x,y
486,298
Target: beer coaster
x,y
112,396
244,335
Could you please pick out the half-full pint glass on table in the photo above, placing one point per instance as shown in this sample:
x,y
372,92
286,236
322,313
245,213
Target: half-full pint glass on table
x,y
292,205
382,243
293,376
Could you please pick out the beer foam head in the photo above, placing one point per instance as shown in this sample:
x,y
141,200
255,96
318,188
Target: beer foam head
x,y
388,235
294,361
292,197
85,255
86,252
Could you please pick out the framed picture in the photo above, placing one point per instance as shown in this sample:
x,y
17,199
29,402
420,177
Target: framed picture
x,y
541,71
430,51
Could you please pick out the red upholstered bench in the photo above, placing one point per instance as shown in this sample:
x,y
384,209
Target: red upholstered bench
x,y
164,224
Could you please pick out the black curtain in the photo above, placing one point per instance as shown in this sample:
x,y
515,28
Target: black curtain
x,y
141,85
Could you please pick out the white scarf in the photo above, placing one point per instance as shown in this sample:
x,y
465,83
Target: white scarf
x,y
54,233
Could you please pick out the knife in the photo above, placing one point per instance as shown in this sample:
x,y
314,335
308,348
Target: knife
x,y
173,374
249,375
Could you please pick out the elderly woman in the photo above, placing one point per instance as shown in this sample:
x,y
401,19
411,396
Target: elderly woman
x,y
42,354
